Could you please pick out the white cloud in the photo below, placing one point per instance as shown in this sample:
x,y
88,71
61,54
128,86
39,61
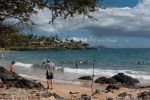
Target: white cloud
x,y
115,21
79,39
92,40
10,21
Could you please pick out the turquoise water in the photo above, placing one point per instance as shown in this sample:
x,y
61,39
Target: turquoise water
x,y
108,62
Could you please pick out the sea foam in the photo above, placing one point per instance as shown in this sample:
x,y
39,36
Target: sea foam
x,y
20,64
109,73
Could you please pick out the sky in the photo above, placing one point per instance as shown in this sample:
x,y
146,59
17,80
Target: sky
x,y
123,24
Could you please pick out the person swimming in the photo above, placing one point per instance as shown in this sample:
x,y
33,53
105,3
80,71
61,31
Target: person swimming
x,y
141,62
86,61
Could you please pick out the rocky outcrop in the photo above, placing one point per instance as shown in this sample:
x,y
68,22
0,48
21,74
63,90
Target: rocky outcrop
x,y
85,78
85,97
144,95
119,78
10,79
58,97
112,86
125,80
46,94
97,91
125,94
104,80
109,98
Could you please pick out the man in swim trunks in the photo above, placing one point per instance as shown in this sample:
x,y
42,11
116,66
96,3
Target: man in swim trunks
x,y
50,66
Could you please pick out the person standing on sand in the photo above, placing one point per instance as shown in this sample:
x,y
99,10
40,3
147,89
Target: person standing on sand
x,y
50,66
13,67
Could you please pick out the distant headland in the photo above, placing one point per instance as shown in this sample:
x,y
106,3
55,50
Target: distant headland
x,y
31,42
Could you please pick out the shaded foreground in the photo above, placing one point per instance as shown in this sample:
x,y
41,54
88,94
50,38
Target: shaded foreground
x,y
11,79
16,89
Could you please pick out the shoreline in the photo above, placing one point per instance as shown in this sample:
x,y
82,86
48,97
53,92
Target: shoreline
x,y
46,49
69,77
1,51
63,77
71,91
77,82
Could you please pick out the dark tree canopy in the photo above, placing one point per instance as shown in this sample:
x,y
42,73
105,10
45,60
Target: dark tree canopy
x,y
18,9
65,8
22,9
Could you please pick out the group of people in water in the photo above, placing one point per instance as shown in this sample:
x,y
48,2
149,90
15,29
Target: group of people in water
x,y
78,62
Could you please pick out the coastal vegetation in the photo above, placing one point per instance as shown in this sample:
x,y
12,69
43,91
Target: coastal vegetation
x,y
20,41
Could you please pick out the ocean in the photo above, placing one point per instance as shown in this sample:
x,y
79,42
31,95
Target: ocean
x,y
107,62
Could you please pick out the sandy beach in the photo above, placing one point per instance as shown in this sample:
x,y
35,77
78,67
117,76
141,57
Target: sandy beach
x,y
70,91
78,90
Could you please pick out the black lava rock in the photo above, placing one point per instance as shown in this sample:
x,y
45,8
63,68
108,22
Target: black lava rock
x,y
104,80
144,95
109,98
125,80
85,97
85,78
58,97
124,94
10,79
112,86
46,94
119,78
